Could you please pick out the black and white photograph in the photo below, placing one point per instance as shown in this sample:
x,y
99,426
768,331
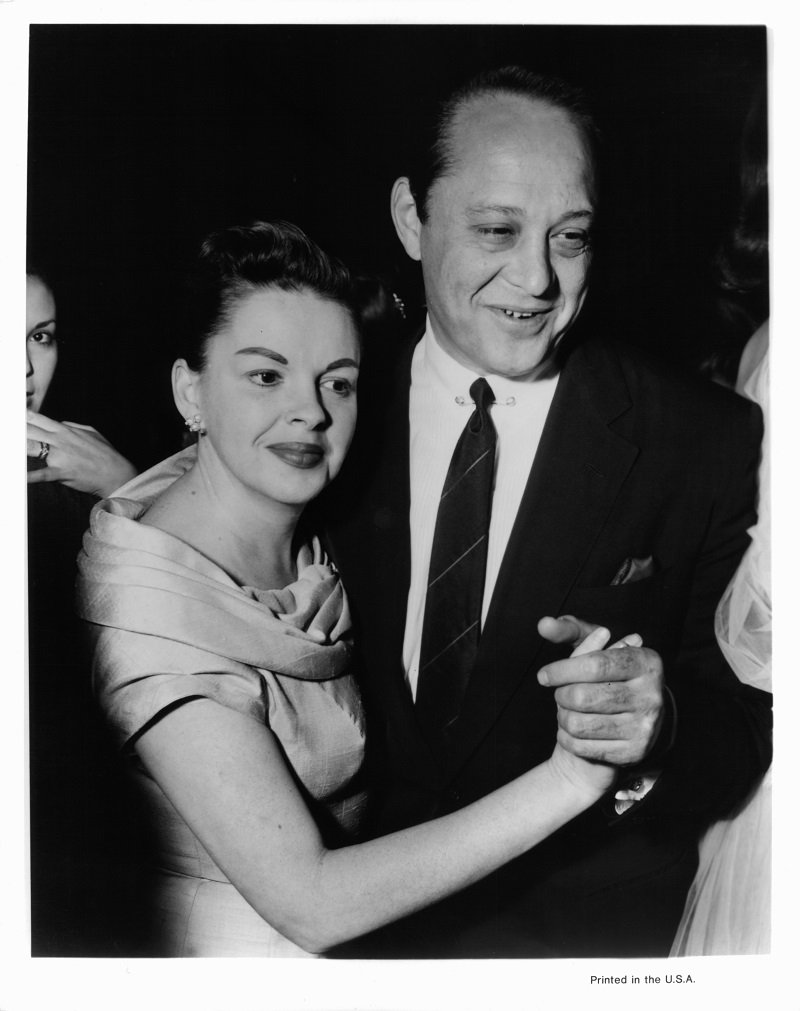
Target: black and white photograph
x,y
397,524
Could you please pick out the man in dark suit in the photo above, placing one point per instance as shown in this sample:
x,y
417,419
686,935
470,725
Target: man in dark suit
x,y
619,494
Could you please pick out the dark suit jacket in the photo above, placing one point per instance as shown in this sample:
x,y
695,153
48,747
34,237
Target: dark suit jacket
x,y
633,463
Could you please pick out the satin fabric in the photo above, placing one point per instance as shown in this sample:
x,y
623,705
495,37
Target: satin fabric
x,y
169,625
729,904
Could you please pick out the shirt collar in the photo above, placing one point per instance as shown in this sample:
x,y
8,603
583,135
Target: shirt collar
x,y
453,379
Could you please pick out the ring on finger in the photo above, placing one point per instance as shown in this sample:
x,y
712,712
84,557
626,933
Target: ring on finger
x,y
45,449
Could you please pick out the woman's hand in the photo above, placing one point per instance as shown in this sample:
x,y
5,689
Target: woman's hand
x,y
582,774
79,456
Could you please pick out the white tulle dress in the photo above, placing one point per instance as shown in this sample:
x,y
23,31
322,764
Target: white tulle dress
x,y
728,907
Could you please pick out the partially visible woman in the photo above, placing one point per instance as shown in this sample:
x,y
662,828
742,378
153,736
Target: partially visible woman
x,y
222,640
74,455
69,813
41,349
728,907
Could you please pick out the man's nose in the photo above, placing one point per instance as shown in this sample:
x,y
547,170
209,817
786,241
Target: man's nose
x,y
531,269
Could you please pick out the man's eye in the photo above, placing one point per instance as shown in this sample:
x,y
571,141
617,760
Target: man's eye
x,y
572,240
496,232
266,377
341,387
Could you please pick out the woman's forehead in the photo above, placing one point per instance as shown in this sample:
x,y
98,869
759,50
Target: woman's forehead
x,y
39,300
287,320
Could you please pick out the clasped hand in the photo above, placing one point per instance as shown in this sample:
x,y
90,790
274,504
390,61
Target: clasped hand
x,y
79,456
610,700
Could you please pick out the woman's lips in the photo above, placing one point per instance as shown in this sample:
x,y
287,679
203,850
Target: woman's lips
x,y
303,455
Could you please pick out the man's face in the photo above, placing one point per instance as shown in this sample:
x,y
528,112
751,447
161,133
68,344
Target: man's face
x,y
505,250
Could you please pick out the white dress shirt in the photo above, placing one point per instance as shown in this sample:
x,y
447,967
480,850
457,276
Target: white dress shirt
x,y
439,408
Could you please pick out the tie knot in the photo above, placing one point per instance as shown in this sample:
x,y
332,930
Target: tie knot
x,y
481,393
481,421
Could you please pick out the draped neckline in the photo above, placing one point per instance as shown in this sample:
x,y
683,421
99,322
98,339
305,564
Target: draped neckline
x,y
143,579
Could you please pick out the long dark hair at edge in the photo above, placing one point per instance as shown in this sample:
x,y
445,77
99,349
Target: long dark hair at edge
x,y
741,264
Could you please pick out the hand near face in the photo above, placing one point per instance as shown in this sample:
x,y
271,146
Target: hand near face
x,y
80,457
610,700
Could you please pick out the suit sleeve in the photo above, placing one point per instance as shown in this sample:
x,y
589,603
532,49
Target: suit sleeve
x,y
719,729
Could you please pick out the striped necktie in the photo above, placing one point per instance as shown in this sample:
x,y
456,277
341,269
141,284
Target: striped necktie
x,y
454,598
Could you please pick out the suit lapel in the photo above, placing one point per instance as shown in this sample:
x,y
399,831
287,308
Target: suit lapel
x,y
579,467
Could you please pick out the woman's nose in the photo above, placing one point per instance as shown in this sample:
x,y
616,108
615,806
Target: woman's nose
x,y
307,409
28,364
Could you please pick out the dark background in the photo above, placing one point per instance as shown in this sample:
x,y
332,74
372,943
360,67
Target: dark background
x,y
143,138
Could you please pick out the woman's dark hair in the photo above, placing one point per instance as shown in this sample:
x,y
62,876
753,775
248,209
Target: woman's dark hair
x,y
236,261
741,265
434,154
37,269
33,268
380,312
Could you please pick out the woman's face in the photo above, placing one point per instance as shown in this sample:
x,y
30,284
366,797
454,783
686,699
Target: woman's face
x,y
40,340
277,394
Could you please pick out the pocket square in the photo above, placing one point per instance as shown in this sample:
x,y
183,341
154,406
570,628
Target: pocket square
x,y
634,569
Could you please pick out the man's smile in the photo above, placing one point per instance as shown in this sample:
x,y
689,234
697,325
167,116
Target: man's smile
x,y
517,316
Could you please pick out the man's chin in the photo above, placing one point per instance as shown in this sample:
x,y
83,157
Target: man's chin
x,y
520,356
534,361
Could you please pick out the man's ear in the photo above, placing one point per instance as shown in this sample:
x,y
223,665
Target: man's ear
x,y
185,389
405,217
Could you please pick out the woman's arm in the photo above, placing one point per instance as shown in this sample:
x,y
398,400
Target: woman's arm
x,y
227,777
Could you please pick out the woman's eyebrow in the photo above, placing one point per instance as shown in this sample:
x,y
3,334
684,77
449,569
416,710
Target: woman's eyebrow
x,y
38,326
266,354
342,363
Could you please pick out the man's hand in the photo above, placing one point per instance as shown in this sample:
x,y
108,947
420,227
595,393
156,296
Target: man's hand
x,y
610,701
80,457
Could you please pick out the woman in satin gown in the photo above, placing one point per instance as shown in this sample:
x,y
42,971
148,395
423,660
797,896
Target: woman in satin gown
x,y
222,641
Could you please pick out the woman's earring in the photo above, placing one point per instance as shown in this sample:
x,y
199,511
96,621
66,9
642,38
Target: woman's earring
x,y
195,424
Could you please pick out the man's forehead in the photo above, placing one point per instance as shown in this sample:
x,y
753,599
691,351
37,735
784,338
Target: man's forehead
x,y
490,132
491,121
496,112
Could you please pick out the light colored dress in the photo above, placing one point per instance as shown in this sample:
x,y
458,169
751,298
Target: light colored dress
x,y
169,625
728,907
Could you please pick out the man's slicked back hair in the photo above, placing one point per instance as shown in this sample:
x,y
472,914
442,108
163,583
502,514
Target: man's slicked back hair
x,y
434,157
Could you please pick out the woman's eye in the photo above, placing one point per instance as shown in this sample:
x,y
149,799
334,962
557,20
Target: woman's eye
x,y
42,337
266,377
341,387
